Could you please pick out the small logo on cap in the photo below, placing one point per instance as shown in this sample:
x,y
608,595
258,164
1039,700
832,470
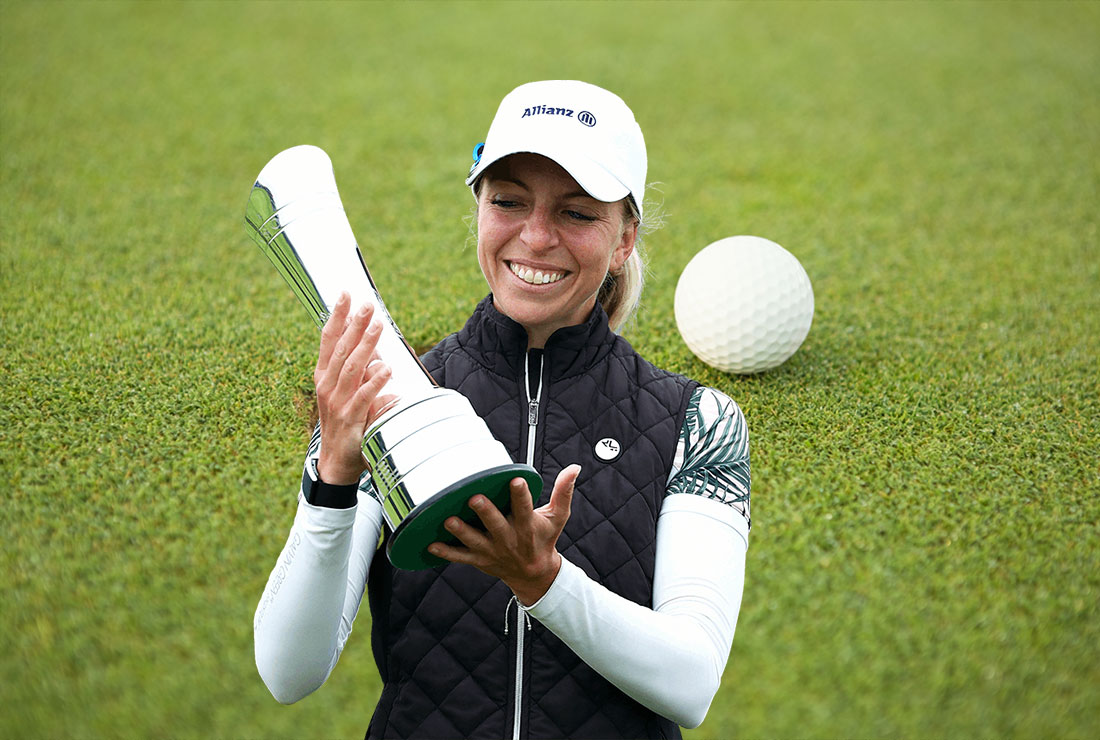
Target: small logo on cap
x,y
478,150
547,110
586,118
608,449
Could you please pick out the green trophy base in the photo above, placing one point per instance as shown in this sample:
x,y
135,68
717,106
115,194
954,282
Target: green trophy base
x,y
408,546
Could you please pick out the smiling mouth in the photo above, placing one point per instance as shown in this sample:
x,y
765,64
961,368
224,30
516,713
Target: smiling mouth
x,y
535,277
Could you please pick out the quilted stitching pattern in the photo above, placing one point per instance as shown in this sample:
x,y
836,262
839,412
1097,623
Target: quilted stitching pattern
x,y
441,634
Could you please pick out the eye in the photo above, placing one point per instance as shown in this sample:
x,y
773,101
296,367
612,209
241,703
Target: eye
x,y
578,216
503,202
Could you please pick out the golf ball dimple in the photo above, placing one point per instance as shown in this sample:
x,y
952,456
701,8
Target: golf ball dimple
x,y
744,304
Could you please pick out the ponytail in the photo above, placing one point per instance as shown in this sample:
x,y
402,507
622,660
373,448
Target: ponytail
x,y
621,291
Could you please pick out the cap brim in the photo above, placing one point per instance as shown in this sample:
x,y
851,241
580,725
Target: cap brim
x,y
592,177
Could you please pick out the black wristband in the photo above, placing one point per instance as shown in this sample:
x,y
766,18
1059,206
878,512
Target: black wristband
x,y
319,493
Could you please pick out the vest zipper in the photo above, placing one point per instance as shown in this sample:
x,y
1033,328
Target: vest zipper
x,y
532,407
523,623
522,620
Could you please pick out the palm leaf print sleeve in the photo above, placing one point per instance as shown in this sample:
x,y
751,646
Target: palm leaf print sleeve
x,y
712,456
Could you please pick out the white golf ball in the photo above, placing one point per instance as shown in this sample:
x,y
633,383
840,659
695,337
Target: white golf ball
x,y
744,304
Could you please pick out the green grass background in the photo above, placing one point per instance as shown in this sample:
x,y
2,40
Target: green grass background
x,y
925,558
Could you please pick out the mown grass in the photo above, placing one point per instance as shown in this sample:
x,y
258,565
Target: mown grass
x,y
925,555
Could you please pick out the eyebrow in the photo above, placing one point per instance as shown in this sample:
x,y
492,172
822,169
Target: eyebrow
x,y
516,181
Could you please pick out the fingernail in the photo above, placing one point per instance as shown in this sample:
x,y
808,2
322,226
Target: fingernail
x,y
363,309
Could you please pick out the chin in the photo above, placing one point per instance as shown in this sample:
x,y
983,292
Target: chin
x,y
522,311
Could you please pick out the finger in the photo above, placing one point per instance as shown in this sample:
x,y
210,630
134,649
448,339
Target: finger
x,y
453,554
354,369
339,374
495,523
375,354
475,540
365,353
332,330
368,344
336,346
523,508
381,404
561,499
363,400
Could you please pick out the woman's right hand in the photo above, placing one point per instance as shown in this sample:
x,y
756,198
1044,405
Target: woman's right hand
x,y
348,377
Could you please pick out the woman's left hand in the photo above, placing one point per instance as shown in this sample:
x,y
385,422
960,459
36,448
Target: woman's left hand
x,y
519,549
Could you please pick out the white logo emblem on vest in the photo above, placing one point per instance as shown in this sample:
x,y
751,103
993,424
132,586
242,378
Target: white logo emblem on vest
x,y
608,449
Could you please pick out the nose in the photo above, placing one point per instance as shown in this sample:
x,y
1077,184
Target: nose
x,y
539,232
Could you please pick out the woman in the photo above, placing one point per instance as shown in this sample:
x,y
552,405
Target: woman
x,y
608,610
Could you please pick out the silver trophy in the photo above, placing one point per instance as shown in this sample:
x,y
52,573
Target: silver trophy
x,y
430,452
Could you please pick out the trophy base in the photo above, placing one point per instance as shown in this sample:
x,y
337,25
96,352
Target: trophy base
x,y
408,546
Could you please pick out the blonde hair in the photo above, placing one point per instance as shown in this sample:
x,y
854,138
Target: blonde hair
x,y
621,291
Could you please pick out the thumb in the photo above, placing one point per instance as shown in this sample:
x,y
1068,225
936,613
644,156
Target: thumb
x,y
561,498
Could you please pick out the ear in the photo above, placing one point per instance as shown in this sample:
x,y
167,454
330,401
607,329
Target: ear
x,y
625,247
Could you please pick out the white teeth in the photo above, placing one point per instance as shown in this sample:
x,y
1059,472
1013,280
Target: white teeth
x,y
535,277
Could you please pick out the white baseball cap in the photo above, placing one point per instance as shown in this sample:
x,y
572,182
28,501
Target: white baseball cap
x,y
587,130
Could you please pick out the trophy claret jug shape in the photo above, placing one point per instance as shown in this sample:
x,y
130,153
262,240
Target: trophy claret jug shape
x,y
430,452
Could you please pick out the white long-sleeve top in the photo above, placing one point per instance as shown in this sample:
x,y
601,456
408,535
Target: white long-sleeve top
x,y
669,658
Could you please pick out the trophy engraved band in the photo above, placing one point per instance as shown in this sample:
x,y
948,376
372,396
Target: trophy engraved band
x,y
430,452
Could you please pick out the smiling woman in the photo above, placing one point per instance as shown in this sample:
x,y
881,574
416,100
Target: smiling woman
x,y
607,611
545,245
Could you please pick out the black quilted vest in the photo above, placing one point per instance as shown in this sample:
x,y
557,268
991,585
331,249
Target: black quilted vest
x,y
447,661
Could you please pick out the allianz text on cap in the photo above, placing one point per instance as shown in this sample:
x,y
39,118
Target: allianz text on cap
x,y
587,130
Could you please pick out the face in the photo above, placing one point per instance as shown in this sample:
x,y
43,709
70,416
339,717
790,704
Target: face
x,y
545,245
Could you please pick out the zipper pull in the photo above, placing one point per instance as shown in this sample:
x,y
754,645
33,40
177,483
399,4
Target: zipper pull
x,y
533,413
521,614
507,609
